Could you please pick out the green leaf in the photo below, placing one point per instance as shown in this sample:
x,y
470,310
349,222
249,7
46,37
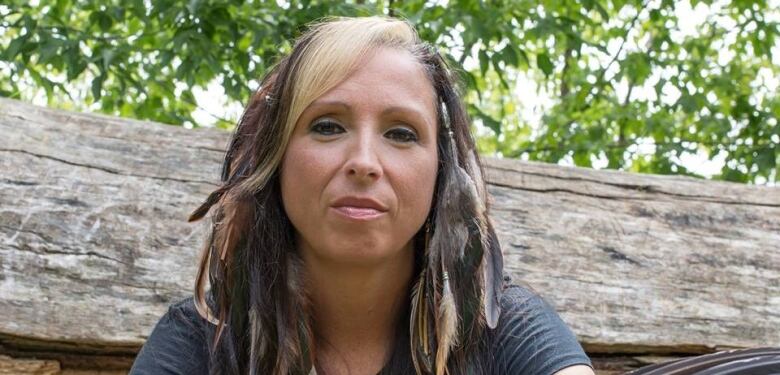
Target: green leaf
x,y
582,158
30,24
97,85
524,56
188,97
500,73
471,82
104,21
487,120
166,57
659,86
509,55
75,64
655,15
484,61
602,12
13,48
183,70
544,63
637,67
765,158
244,43
138,8
118,13
41,81
49,47
688,103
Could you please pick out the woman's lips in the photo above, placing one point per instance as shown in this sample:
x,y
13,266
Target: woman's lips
x,y
358,213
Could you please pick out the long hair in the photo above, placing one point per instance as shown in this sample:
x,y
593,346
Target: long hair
x,y
257,299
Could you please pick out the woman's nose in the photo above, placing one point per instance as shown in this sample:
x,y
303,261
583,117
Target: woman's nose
x,y
363,164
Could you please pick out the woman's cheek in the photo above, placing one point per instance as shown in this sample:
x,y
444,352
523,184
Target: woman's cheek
x,y
302,181
417,188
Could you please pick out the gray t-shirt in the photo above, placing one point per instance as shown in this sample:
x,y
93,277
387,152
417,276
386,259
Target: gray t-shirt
x,y
530,339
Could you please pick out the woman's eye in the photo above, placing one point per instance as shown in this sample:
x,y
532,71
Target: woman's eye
x,y
402,135
326,127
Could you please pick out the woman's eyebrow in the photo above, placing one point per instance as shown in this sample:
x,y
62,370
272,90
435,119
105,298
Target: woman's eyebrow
x,y
404,110
417,113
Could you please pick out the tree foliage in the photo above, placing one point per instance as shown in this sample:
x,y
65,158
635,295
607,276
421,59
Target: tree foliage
x,y
625,85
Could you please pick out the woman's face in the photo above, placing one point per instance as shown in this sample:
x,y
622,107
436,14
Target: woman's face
x,y
358,175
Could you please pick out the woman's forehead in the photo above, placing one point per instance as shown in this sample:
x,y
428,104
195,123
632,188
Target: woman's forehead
x,y
391,77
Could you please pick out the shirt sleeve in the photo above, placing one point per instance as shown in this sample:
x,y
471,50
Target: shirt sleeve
x,y
532,339
177,344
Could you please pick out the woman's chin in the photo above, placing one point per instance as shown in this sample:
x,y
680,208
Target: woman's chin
x,y
360,252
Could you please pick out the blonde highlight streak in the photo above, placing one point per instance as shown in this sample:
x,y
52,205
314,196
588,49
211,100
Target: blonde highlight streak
x,y
335,52
259,179
416,326
200,288
257,342
199,300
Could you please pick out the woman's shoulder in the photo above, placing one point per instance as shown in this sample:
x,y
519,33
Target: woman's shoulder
x,y
183,316
177,344
531,338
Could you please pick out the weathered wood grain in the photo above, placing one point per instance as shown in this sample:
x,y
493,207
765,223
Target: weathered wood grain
x,y
644,264
13,366
94,242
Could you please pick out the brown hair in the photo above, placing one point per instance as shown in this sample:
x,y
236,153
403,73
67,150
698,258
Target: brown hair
x,y
257,300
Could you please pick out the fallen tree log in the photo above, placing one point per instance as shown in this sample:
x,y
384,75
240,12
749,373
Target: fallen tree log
x,y
94,244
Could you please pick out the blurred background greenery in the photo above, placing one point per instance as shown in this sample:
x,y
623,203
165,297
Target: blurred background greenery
x,y
667,87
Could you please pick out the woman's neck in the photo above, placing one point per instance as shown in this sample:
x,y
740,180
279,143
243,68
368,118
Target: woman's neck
x,y
356,308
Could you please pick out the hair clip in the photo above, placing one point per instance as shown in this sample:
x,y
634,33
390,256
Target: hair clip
x,y
445,117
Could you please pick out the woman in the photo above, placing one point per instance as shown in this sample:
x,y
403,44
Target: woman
x,y
350,232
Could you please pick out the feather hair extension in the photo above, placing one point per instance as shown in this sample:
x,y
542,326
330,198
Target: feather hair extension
x,y
469,203
476,172
472,205
492,266
492,258
447,326
418,327
477,193
463,196
458,211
